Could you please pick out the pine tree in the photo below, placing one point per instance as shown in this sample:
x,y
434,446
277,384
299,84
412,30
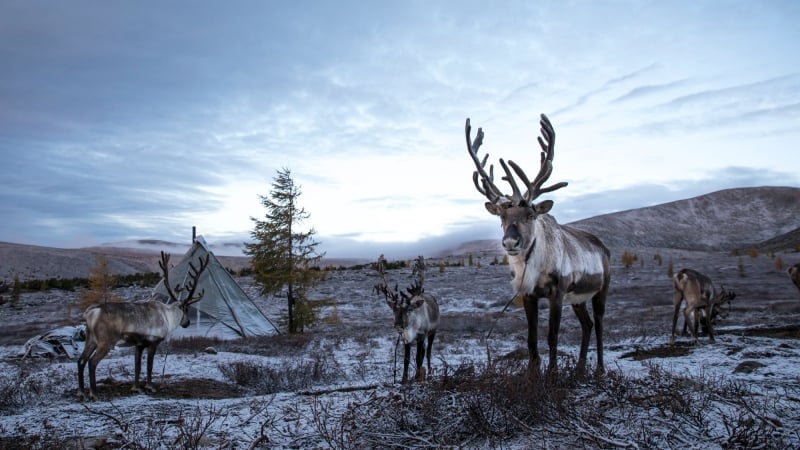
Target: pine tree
x,y
282,256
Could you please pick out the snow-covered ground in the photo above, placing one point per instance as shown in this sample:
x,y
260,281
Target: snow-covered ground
x,y
348,362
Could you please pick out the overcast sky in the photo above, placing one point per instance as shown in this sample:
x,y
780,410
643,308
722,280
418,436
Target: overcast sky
x,y
136,120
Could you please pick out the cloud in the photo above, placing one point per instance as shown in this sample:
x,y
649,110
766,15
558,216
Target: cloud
x,y
128,121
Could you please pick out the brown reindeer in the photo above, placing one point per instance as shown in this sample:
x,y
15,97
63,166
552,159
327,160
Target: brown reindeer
x,y
416,317
141,325
548,260
703,303
794,274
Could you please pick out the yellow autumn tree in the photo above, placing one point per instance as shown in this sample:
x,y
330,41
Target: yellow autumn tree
x,y
101,284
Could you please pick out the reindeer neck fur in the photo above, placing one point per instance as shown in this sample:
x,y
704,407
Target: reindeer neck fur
x,y
561,257
421,320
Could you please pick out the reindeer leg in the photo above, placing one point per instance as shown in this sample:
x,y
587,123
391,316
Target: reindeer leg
x,y
137,368
99,354
554,324
420,357
709,310
586,331
88,349
406,358
431,335
599,311
531,304
677,299
687,314
151,353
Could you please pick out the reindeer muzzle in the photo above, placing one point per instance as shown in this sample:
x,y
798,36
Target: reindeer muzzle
x,y
512,241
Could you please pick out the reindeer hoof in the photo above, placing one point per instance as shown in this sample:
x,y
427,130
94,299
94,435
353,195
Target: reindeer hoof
x,y
150,388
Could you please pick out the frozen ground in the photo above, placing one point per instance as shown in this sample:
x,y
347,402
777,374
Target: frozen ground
x,y
307,389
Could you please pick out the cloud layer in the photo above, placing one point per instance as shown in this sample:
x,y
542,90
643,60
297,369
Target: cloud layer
x,y
124,121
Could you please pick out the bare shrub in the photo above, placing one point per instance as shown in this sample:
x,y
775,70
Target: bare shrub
x,y
29,383
289,376
278,345
501,402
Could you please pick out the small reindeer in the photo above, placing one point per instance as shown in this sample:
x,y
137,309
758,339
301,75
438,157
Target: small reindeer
x,y
794,274
703,303
416,316
140,325
723,297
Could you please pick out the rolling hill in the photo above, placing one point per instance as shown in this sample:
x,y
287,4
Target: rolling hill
x,y
767,218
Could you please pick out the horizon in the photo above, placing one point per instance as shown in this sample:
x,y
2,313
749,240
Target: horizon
x,y
432,248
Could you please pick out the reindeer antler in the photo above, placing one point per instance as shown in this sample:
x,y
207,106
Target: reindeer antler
x,y
391,296
486,185
194,276
419,270
534,189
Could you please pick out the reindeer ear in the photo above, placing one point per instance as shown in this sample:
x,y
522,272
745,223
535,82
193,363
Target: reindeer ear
x,y
494,209
543,207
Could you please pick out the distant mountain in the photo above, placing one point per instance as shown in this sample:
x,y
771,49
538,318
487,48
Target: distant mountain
x,y
767,218
719,221
35,262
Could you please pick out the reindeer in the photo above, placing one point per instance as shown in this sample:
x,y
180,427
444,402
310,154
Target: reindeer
x,y
416,316
703,303
141,325
548,260
794,274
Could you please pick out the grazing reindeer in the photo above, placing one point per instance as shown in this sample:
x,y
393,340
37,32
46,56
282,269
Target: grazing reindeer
x,y
141,325
416,316
703,303
794,274
548,260
723,297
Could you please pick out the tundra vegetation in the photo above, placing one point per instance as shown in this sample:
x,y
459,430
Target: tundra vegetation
x,y
332,386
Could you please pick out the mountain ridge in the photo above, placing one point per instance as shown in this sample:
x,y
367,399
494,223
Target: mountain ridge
x,y
767,218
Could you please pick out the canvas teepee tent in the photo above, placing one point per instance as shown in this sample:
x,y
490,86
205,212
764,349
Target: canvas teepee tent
x,y
225,310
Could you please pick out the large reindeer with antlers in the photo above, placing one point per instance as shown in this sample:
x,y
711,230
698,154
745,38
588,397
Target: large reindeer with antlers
x,y
140,325
548,260
416,316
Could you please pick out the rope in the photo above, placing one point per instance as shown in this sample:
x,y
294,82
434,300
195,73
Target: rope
x,y
394,368
519,289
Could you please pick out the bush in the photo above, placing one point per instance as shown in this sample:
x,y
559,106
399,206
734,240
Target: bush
x,y
289,376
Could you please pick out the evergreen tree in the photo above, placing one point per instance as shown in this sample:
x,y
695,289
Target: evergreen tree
x,y
281,254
